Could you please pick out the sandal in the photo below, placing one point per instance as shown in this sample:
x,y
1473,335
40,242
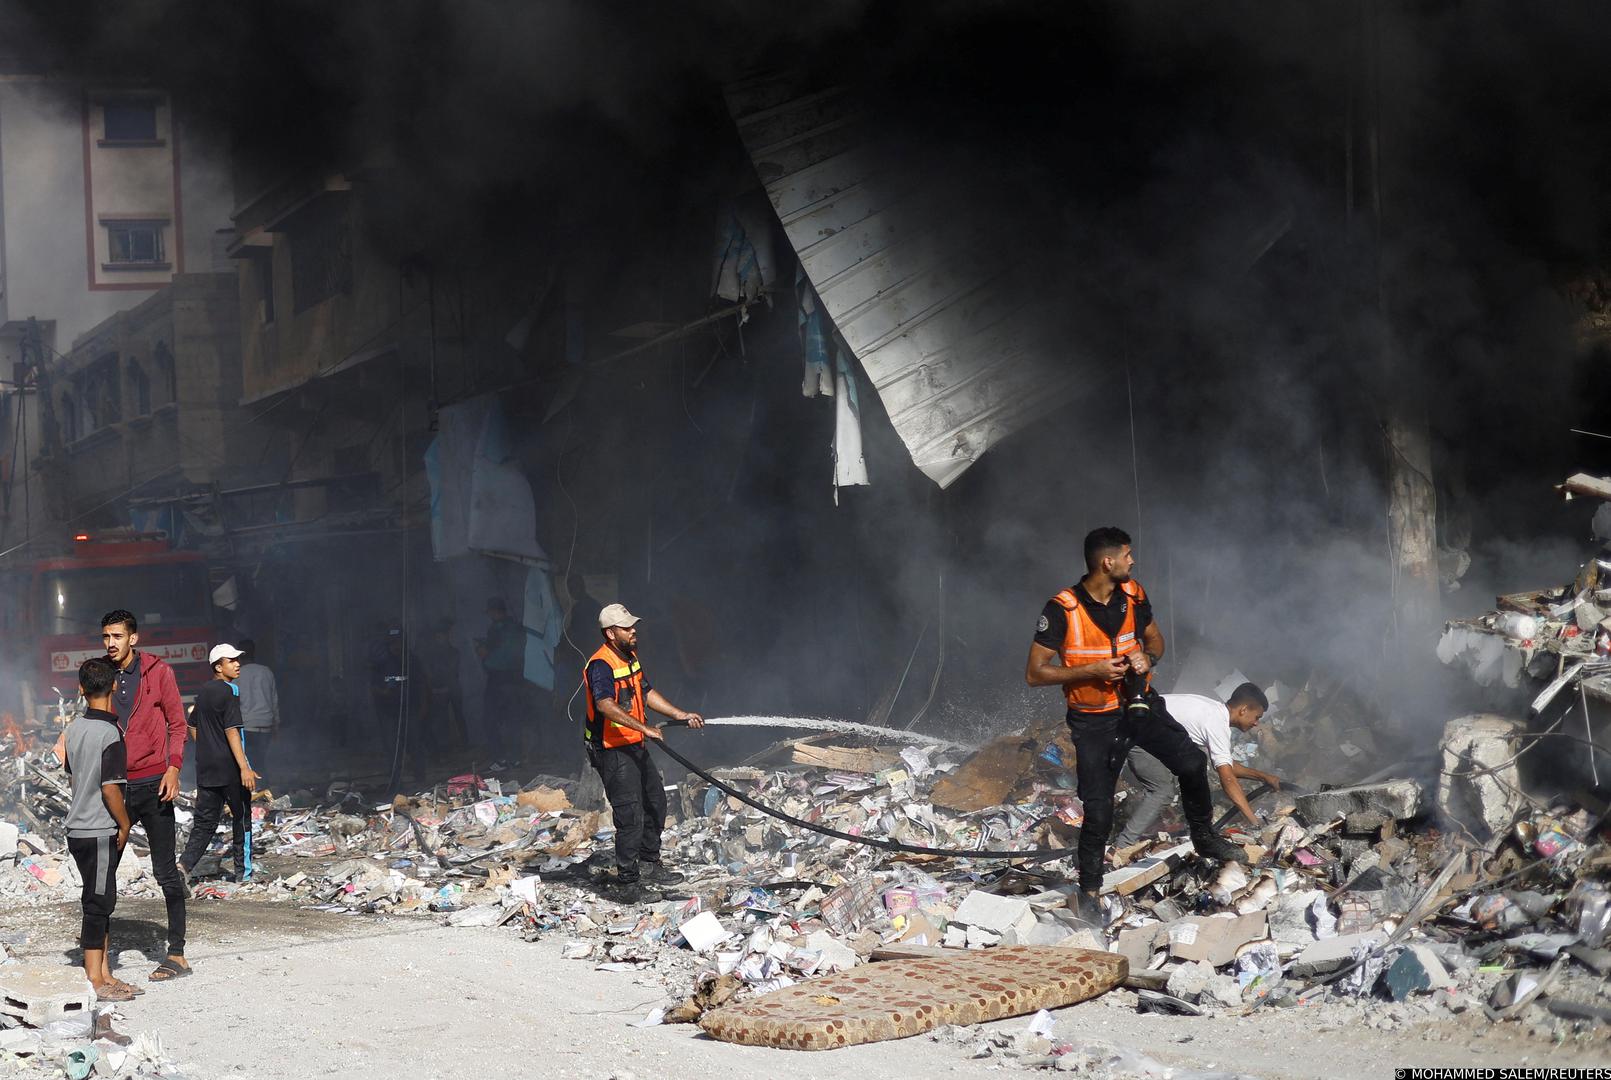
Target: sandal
x,y
135,990
114,992
167,971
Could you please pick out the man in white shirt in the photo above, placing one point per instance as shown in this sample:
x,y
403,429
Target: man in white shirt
x,y
1209,724
260,706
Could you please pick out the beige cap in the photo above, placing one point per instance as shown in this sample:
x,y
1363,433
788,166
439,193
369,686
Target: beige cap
x,y
616,615
223,652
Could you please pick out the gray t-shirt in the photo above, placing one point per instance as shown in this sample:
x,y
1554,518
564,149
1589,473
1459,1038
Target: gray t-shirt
x,y
95,756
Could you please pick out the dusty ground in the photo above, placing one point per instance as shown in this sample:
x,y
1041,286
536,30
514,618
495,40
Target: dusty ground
x,y
281,991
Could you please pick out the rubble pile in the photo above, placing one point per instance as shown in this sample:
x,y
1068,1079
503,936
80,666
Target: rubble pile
x,y
50,1026
1354,893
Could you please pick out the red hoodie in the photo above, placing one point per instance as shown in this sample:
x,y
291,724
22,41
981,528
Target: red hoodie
x,y
155,734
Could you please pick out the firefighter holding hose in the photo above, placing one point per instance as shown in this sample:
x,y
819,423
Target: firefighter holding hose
x,y
618,699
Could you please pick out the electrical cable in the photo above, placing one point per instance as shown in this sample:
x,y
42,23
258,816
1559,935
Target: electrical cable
x,y
1033,854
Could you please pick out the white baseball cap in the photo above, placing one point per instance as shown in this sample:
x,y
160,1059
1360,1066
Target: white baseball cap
x,y
616,615
223,652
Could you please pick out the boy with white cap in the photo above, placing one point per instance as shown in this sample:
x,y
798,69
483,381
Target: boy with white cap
x,y
223,775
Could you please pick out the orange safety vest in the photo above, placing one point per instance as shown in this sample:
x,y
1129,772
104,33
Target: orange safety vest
x,y
1085,643
628,674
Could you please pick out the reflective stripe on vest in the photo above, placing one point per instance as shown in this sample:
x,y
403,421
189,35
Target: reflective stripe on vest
x,y
628,675
1084,642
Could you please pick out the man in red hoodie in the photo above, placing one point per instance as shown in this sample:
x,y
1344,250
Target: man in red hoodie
x,y
146,697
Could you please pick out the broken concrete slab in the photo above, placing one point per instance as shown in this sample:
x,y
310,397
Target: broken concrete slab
x,y
39,995
1400,799
996,914
899,998
1478,782
1291,922
1222,990
1190,980
836,955
1332,954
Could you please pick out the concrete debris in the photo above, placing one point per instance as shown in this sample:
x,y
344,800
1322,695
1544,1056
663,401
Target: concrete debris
x,y
1398,799
1332,900
996,914
1479,783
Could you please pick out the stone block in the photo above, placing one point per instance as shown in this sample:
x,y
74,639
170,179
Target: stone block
x,y
42,995
1290,921
1399,799
1189,981
1324,957
1487,802
997,914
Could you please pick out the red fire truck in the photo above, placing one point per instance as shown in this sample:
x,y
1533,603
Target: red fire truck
x,y
64,597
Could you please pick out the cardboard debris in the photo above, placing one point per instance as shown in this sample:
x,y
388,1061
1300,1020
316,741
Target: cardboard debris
x,y
988,777
844,758
1215,939
543,799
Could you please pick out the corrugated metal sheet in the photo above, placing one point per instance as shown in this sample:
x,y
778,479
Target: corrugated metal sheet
x,y
925,301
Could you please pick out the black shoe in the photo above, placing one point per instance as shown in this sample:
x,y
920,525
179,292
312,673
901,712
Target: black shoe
x,y
1087,908
1211,845
630,892
657,874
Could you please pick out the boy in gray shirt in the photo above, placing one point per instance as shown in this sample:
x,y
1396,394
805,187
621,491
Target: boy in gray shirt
x,y
97,820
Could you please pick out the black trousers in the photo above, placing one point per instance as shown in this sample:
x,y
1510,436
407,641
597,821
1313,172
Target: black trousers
x,y
210,803
637,797
156,818
97,858
1159,735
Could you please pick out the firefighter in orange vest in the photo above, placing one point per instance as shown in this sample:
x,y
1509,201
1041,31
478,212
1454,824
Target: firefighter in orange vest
x,y
618,699
1097,641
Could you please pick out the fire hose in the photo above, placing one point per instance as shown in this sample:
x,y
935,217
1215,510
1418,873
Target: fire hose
x,y
867,841
1032,854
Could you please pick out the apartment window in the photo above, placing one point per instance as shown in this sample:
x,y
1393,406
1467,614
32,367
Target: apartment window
x,y
321,253
163,356
130,121
139,388
262,270
135,245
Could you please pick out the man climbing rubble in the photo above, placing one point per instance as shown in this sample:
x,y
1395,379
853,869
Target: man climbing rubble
x,y
618,698
1098,641
1208,722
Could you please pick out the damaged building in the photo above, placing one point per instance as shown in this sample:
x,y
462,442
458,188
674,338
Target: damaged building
x,y
818,347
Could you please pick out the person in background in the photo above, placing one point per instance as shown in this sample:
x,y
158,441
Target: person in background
x,y
97,820
503,659
260,705
224,776
441,661
146,698
1208,723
